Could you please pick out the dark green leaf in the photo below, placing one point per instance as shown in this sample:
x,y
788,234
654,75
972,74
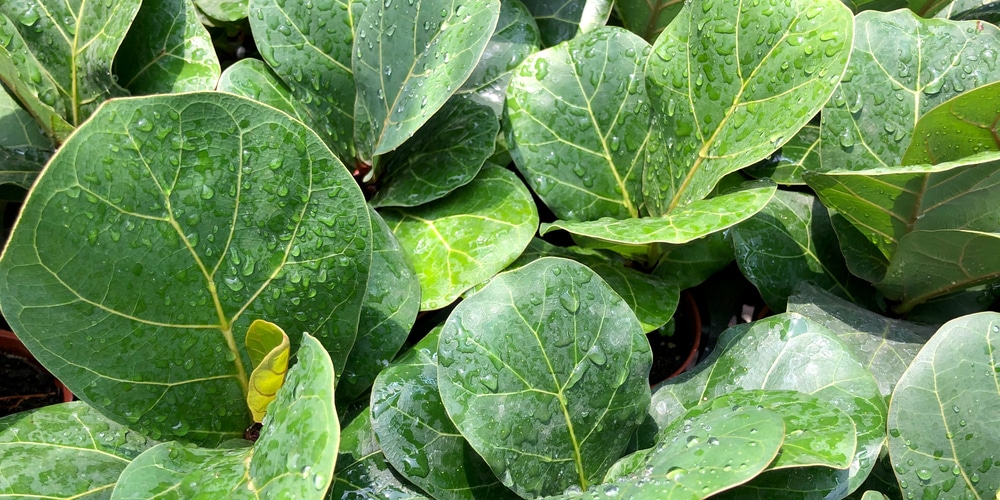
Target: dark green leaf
x,y
577,124
986,10
463,239
862,257
226,11
362,472
901,67
133,276
23,147
719,105
253,79
960,127
544,371
445,154
943,416
293,458
559,21
167,50
647,18
410,57
691,264
799,154
64,451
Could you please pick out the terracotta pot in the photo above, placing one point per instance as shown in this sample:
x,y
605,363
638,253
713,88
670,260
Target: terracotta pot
x,y
11,345
668,358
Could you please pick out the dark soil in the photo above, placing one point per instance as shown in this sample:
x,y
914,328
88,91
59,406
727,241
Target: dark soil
x,y
24,386
672,349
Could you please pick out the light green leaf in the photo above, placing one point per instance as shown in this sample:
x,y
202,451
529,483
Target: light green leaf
x,y
544,371
268,348
24,149
410,58
791,241
943,415
445,154
81,451
687,223
959,127
787,352
719,105
873,495
689,265
308,44
56,57
392,301
884,346
901,67
465,238
130,274
797,155
167,50
559,21
577,121
647,18
293,458
226,11
416,434
362,471
253,79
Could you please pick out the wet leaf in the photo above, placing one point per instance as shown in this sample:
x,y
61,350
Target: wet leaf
x,y
960,127
577,124
693,221
791,241
445,154
130,276
226,11
943,414
647,19
691,264
56,57
559,21
901,67
294,456
986,10
82,451
797,155
544,371
402,81
24,149
167,50
362,471
719,105
416,434
862,257
253,79
463,239
268,348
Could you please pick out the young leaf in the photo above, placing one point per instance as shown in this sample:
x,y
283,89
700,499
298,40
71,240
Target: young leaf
x,y
362,471
66,437
943,417
577,122
544,371
128,274
253,79
719,105
559,21
167,50
268,348
901,67
293,458
410,58
960,127
463,239
797,155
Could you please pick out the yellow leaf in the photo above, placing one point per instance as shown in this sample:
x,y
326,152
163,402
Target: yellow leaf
x,y
269,350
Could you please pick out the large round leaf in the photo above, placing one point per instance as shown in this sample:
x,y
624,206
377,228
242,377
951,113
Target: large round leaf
x,y
362,471
943,419
159,232
544,371
960,127
254,79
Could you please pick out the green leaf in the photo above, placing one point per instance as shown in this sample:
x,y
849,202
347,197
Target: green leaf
x,y
392,301
559,21
687,223
465,238
577,124
544,371
269,348
797,155
885,346
416,435
362,471
253,79
293,458
64,451
959,127
402,81
308,44
862,257
712,449
647,18
901,67
787,352
128,275
56,57
986,10
791,241
719,105
943,416
445,154
167,50
24,149
226,11
689,265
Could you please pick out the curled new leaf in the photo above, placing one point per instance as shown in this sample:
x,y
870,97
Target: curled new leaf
x,y
268,348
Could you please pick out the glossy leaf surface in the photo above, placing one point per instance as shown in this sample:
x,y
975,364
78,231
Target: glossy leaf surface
x,y
82,451
130,274
269,348
544,371
901,67
862,257
362,471
578,121
24,149
719,105
943,416
253,79
167,50
690,222
559,21
226,11
960,127
461,240
410,58
797,155
294,456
